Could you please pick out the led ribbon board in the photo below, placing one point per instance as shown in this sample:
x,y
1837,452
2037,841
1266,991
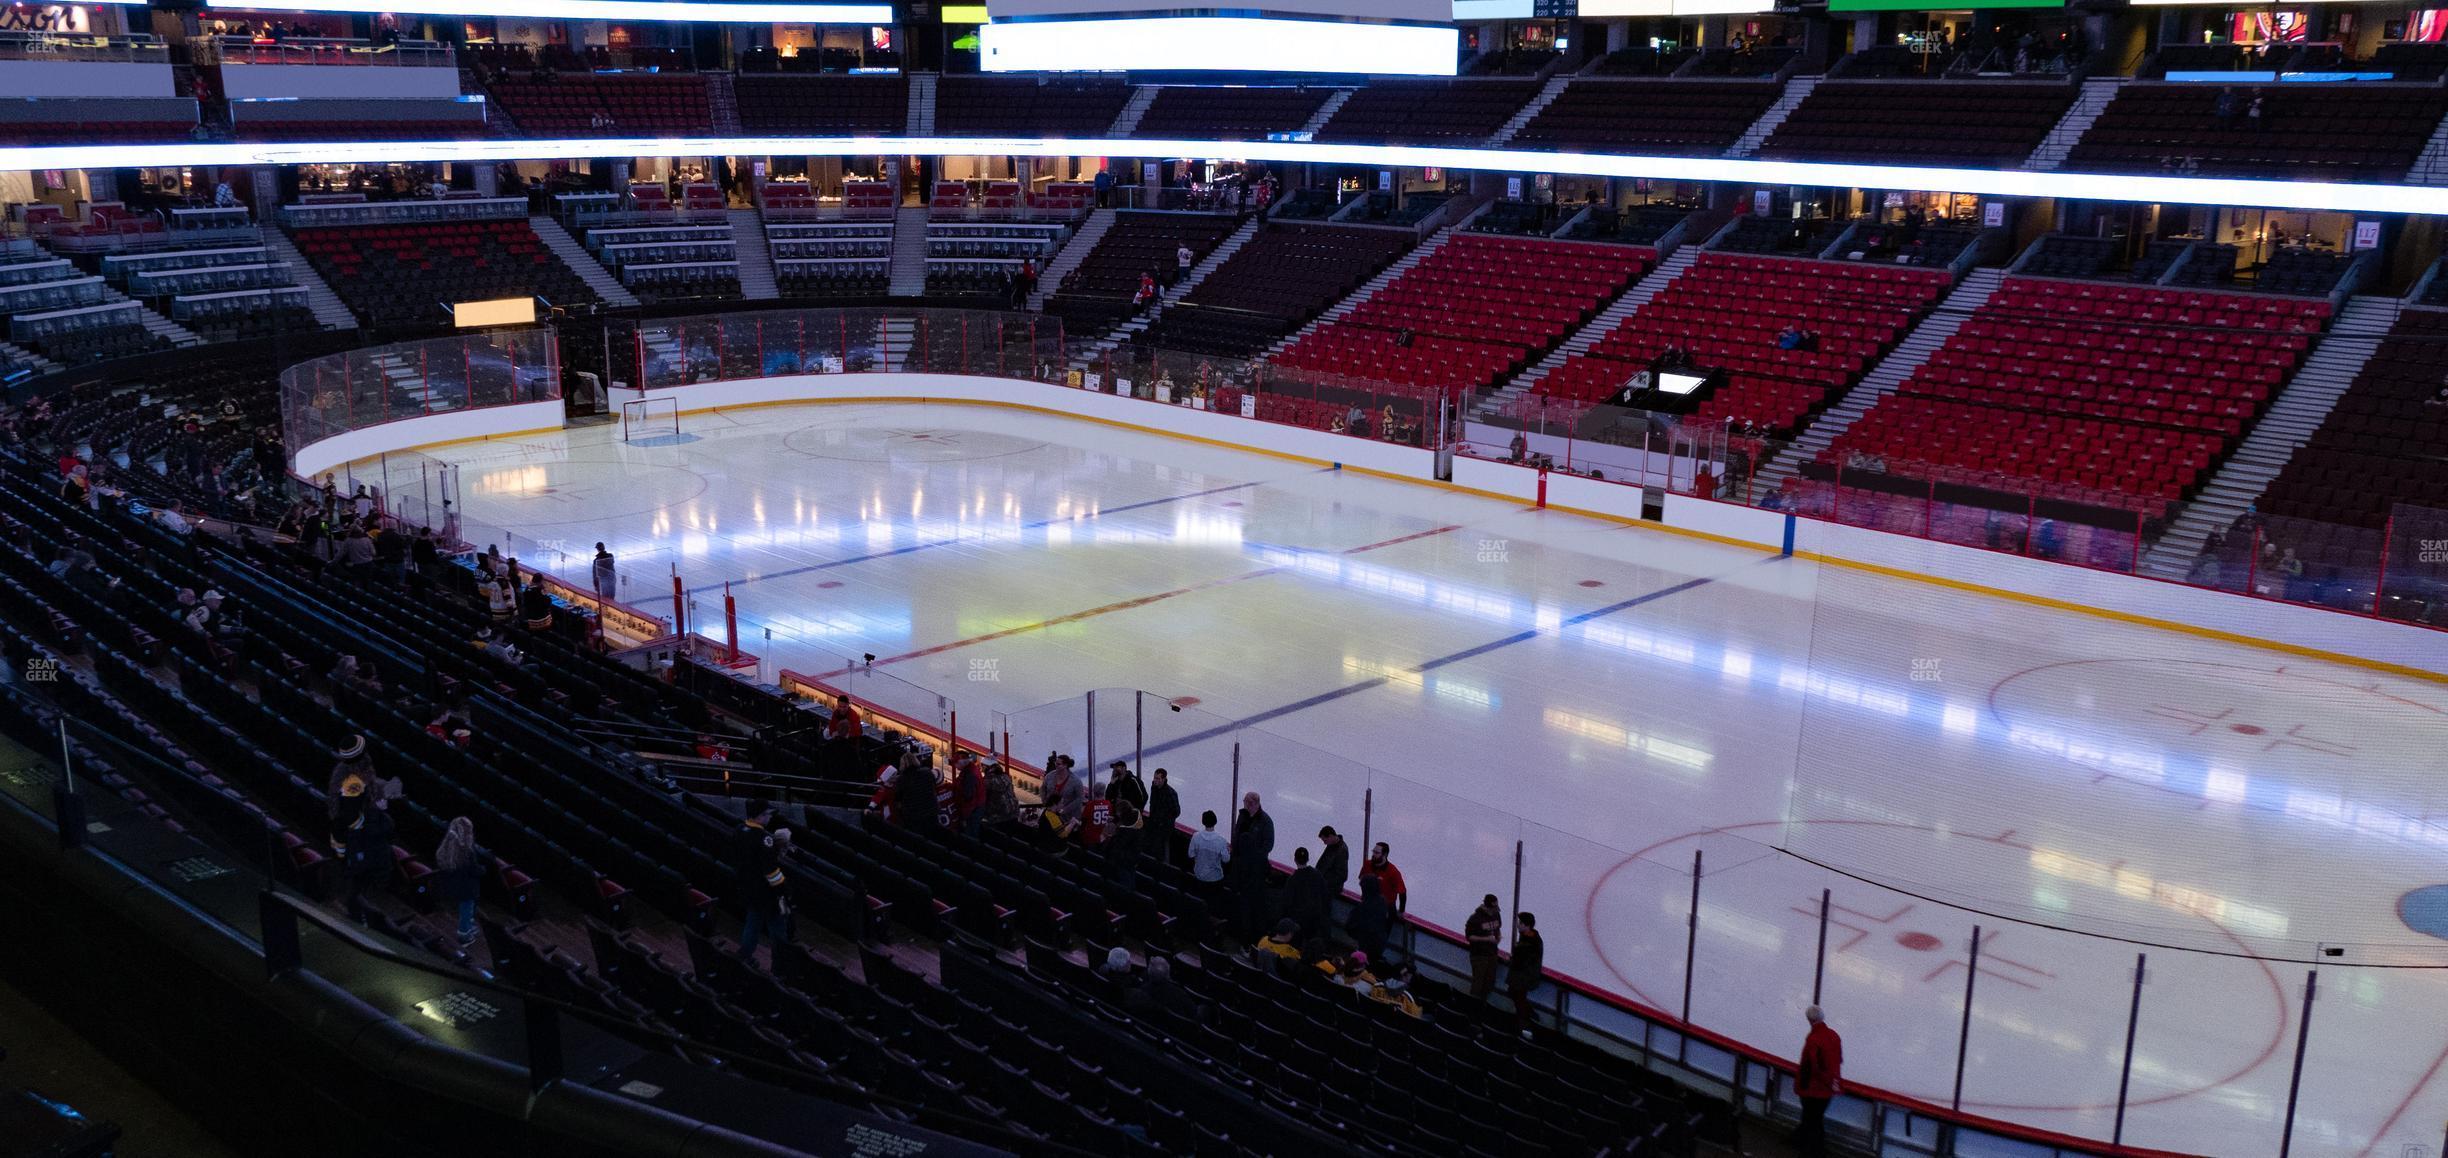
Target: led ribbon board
x,y
2239,193
593,10
1239,43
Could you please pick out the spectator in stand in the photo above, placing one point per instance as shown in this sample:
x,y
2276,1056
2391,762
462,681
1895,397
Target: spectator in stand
x,y
1096,818
606,576
356,556
1529,965
1122,853
1157,994
914,790
1818,1082
1146,294
1125,784
1334,861
1253,841
844,733
1371,921
174,519
756,866
1483,932
1067,802
1002,805
424,560
1209,854
344,793
1163,814
1395,990
459,875
1277,948
968,793
1104,188
1183,259
1790,338
1116,968
1304,898
535,604
1380,865
369,864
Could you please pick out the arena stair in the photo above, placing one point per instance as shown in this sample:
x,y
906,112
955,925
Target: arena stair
x,y
1598,327
2432,167
1128,121
1198,273
909,251
156,324
922,104
1068,258
329,311
756,268
1970,294
2096,93
2289,423
1546,96
1334,104
580,262
1384,278
1796,91
722,101
14,355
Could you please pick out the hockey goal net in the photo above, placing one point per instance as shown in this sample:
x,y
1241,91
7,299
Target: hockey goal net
x,y
650,418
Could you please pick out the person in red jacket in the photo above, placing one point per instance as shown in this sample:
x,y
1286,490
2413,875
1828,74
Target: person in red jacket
x,y
1819,1081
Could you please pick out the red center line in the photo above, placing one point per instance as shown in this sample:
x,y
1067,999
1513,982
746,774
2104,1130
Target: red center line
x,y
1127,604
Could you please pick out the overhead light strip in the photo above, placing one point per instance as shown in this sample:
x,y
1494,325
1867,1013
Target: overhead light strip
x,y
2230,192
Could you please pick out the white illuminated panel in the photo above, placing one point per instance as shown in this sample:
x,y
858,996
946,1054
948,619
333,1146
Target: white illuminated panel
x,y
1243,44
593,10
494,312
1669,382
1491,9
2244,194
1594,8
1428,11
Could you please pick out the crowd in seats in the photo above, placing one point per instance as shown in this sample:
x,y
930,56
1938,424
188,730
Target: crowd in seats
x,y
1478,308
1099,290
1732,313
1991,124
1021,106
2066,255
1283,276
822,106
1459,113
1668,117
1192,113
450,801
405,275
2340,132
2117,395
607,104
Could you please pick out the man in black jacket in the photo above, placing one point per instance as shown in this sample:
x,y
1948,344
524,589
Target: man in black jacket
x,y
1163,815
1529,965
1305,898
1253,841
756,866
1334,860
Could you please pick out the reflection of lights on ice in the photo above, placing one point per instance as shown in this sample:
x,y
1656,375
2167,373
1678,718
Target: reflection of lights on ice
x,y
1616,735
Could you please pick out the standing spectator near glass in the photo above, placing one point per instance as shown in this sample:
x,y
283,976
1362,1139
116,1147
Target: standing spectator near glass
x,y
1163,814
606,576
1482,932
1253,841
1002,805
1389,879
1529,966
1817,1083
1334,863
1209,853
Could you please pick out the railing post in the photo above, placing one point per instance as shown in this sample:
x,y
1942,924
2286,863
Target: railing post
x,y
1138,730
1819,965
2303,1038
1963,1037
1092,732
1691,950
543,1043
2133,1023
2388,542
278,930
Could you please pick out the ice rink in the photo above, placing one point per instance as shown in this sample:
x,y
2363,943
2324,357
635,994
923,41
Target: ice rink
x,y
1610,700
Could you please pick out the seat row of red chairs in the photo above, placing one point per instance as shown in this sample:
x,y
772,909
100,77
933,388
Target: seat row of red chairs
x,y
2037,385
1478,307
1727,312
